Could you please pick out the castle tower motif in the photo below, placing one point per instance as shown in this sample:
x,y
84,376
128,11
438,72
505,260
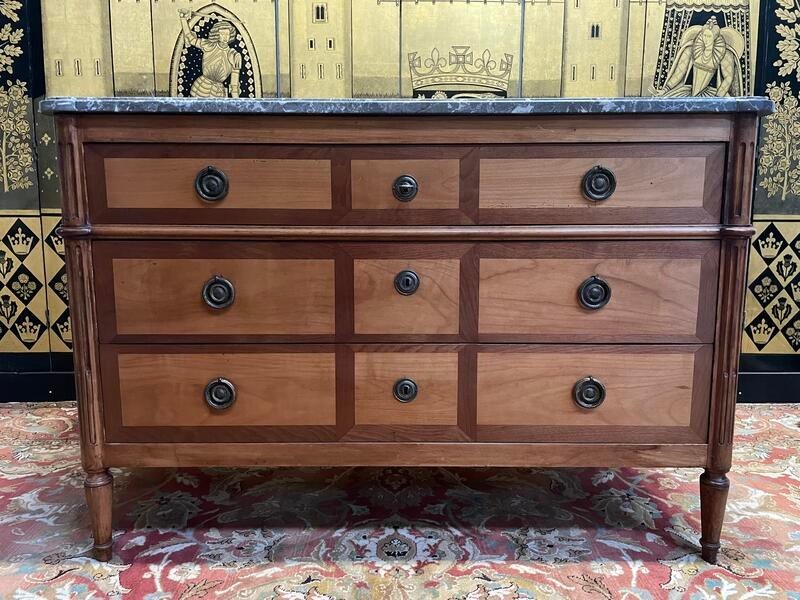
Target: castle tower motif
x,y
77,45
595,47
320,49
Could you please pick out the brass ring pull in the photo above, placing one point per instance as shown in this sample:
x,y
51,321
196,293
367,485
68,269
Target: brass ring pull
x,y
589,392
220,393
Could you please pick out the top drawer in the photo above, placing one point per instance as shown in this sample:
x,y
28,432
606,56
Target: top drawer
x,y
405,185
602,183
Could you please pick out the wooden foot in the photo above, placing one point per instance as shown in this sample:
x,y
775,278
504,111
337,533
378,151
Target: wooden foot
x,y
98,488
713,497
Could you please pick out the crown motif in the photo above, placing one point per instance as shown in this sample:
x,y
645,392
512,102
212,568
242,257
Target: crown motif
x,y
20,243
65,330
28,330
794,289
762,332
770,246
58,243
461,72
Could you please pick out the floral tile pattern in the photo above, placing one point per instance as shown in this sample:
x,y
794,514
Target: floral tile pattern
x,y
467,534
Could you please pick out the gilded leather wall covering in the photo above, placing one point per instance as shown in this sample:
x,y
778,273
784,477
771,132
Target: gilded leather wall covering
x,y
25,326
772,305
406,48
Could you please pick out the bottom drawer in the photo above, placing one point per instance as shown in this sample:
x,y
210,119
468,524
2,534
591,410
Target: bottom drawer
x,y
186,393
597,393
642,394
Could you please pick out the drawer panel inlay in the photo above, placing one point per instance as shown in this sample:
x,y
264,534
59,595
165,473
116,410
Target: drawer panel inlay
x,y
271,389
382,308
163,296
255,183
666,183
599,292
434,374
437,180
541,390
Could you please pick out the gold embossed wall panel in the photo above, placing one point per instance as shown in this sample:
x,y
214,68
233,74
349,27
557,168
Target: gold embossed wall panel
x,y
772,303
772,319
77,47
23,301
461,48
406,48
132,47
215,49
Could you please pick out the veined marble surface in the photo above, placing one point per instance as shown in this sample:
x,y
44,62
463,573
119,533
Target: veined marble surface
x,y
500,106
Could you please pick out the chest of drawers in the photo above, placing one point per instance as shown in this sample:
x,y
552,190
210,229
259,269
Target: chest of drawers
x,y
511,283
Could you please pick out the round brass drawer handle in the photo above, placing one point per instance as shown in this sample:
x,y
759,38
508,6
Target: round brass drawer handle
x,y
598,184
589,392
594,293
405,188
211,184
405,390
220,393
406,282
218,292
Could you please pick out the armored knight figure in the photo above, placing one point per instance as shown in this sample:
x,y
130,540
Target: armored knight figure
x,y
220,61
710,55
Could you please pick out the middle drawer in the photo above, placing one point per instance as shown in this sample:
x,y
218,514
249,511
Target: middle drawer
x,y
598,292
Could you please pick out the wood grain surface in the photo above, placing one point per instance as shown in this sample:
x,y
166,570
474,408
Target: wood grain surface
x,y
659,292
667,175
436,374
372,179
265,183
280,296
272,389
537,388
432,309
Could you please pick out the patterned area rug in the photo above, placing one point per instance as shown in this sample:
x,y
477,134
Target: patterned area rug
x,y
473,534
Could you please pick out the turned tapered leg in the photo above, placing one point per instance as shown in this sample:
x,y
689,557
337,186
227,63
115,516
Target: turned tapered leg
x,y
98,488
713,497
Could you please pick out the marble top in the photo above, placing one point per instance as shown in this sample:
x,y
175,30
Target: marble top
x,y
357,106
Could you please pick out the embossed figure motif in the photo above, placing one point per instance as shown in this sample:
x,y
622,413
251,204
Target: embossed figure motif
x,y
707,55
220,61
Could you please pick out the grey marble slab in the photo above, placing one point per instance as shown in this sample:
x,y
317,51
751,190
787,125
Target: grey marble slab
x,y
501,106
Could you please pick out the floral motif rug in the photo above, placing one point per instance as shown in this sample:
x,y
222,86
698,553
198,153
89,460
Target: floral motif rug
x,y
470,534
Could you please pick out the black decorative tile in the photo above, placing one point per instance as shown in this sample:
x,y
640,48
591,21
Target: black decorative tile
x,y
765,287
770,243
20,239
62,327
791,331
59,284
23,284
761,330
55,241
28,328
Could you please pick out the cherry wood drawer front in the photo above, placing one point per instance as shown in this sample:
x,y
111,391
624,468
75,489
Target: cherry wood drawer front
x,y
437,183
159,394
155,183
381,309
267,183
436,308
157,290
655,393
430,411
664,183
659,291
